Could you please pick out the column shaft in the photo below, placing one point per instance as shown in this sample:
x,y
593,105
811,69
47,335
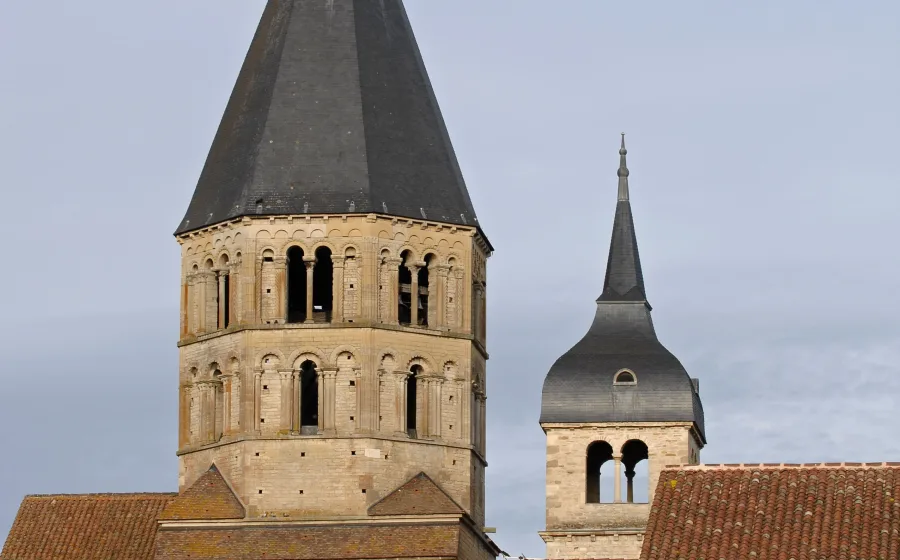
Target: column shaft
x,y
414,295
618,474
310,263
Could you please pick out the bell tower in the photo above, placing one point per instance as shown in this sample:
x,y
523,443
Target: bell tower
x,y
332,342
617,401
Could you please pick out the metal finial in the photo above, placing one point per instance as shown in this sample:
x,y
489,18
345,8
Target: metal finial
x,y
623,172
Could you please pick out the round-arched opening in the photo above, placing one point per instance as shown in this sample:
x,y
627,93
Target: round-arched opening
x,y
412,391
323,286
296,281
309,398
599,453
404,299
625,377
635,455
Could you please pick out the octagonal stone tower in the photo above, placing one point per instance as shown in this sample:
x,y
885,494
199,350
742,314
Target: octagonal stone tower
x,y
616,399
333,278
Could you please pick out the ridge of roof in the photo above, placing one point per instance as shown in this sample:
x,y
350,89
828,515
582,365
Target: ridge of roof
x,y
745,466
104,495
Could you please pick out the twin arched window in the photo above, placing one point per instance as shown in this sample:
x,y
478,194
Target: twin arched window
x,y
603,470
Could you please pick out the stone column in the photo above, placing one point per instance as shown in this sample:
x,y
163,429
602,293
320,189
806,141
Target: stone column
x,y
328,382
221,275
201,302
337,289
257,399
310,262
629,484
400,378
286,408
184,417
435,406
376,413
393,289
437,297
210,411
414,292
185,305
459,305
236,402
617,459
477,304
297,380
226,404
281,288
362,403
234,296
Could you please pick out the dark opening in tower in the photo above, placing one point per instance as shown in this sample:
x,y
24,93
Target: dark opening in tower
x,y
225,304
423,291
404,299
296,280
598,453
323,286
412,401
634,452
309,398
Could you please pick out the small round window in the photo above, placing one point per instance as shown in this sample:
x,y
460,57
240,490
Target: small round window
x,y
625,377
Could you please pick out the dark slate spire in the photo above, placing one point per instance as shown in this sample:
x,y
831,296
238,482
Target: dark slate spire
x,y
580,386
624,278
332,113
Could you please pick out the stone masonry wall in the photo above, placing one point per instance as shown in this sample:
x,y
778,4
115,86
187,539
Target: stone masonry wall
x,y
240,378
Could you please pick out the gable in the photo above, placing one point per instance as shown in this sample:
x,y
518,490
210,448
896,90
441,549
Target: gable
x,y
419,496
207,499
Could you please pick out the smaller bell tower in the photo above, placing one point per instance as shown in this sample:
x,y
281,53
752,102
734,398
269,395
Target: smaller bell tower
x,y
617,403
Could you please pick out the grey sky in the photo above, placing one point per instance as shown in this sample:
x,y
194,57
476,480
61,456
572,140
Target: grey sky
x,y
763,150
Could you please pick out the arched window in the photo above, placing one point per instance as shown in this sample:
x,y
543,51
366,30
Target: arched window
x,y
296,280
323,286
635,452
412,400
423,291
309,398
224,293
404,299
625,377
598,453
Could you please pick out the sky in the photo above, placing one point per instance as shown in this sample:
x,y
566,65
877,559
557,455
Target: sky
x,y
762,142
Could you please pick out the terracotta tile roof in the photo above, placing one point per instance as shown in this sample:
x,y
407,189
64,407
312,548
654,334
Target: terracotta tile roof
x,y
769,512
83,527
419,496
309,542
209,498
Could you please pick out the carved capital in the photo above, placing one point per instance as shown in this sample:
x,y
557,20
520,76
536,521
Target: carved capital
x,y
327,373
393,261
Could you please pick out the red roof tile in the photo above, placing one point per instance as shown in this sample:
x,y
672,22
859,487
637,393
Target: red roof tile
x,y
419,496
85,527
209,498
800,512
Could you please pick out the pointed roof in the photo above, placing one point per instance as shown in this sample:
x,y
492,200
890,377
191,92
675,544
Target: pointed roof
x,y
419,496
624,277
333,113
209,498
580,386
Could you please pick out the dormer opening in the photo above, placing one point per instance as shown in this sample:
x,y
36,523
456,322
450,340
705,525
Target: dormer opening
x,y
625,377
